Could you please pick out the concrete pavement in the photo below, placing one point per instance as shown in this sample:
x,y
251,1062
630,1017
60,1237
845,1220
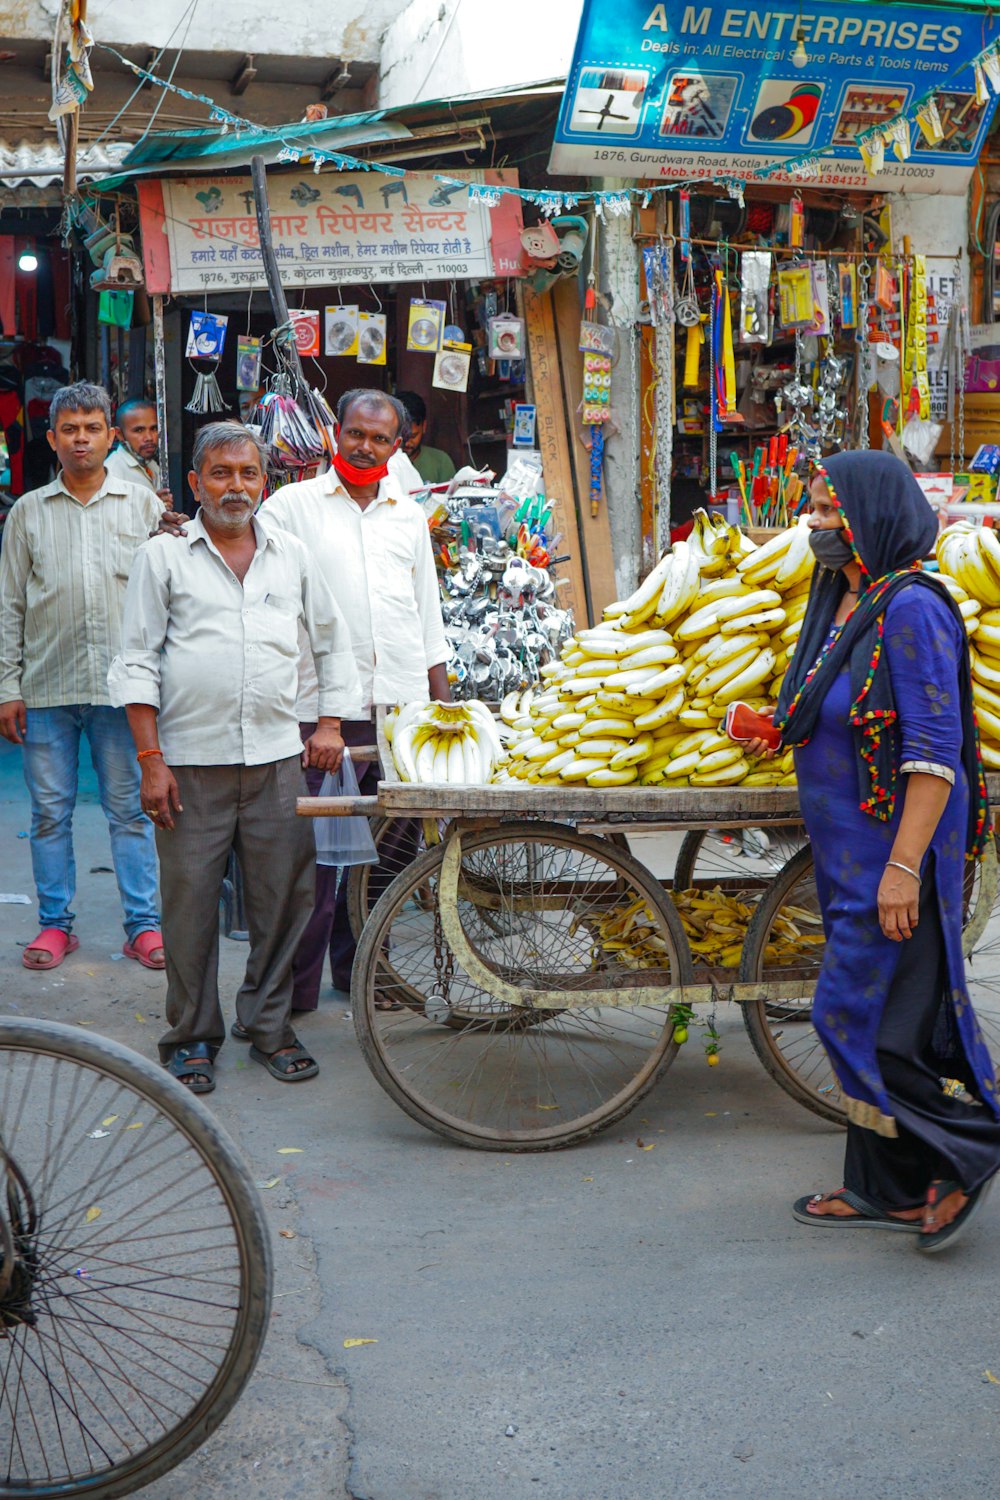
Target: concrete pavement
x,y
644,1323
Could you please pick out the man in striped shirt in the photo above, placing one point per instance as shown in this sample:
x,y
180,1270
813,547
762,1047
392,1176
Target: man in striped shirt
x,y
68,548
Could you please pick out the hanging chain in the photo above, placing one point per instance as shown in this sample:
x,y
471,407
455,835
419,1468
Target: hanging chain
x,y
962,344
635,433
660,289
713,436
665,359
864,358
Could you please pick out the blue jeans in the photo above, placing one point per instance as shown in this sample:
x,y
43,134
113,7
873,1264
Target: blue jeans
x,y
51,755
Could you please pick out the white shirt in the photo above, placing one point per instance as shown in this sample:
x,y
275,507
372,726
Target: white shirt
x,y
380,565
219,660
124,464
405,472
63,570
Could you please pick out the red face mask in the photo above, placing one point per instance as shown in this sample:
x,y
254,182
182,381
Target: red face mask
x,y
353,475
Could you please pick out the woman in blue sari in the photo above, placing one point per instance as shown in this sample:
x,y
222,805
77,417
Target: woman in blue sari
x,y
878,705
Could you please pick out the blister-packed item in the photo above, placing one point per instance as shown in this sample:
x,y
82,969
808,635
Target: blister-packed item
x,y
755,279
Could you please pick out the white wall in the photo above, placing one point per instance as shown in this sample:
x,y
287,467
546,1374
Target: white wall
x,y
937,224
437,49
290,28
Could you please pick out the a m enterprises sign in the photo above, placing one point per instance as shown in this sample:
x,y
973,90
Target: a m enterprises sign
x,y
680,92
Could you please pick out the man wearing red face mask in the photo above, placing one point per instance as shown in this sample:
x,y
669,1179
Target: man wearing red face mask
x,y
373,547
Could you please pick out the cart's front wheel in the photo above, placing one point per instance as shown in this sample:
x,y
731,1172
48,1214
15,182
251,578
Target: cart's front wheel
x,y
558,995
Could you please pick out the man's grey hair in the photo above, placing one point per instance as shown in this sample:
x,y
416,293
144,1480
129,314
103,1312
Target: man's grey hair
x,y
224,437
83,396
363,396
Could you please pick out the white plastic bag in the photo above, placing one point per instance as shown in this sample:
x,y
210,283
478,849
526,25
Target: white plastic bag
x,y
343,841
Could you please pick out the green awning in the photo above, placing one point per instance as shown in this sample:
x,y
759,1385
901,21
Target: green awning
x,y
215,149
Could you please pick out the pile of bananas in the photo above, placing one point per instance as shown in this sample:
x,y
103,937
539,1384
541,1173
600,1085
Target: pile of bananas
x,y
716,927
456,743
642,696
969,561
627,933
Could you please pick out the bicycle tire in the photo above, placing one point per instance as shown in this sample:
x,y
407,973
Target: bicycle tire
x,y
96,1060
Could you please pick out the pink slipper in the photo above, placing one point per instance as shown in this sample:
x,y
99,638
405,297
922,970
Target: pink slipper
x,y
52,946
147,948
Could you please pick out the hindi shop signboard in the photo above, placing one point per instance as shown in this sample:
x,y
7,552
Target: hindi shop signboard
x,y
328,229
684,92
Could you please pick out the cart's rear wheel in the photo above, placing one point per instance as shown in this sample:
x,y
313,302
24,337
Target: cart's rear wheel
x,y
542,907
720,856
782,1032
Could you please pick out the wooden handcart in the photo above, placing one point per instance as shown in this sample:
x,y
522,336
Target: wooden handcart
x,y
522,979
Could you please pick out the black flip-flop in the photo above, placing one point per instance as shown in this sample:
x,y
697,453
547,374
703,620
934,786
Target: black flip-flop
x,y
239,1033
939,1238
281,1064
194,1067
865,1215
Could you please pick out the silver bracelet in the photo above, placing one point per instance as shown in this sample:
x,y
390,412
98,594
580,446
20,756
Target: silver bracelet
x,y
895,864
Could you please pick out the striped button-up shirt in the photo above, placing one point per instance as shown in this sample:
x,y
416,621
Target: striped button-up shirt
x,y
63,571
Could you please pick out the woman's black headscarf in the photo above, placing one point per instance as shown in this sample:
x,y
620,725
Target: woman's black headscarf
x,y
891,528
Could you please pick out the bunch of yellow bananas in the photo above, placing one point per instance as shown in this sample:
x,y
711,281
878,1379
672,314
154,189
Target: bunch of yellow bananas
x,y
642,696
456,743
969,562
716,927
626,933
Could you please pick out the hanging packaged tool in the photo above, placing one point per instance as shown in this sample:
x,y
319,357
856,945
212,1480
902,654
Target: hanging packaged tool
x,y
685,215
692,355
795,293
847,280
916,387
755,279
820,323
724,362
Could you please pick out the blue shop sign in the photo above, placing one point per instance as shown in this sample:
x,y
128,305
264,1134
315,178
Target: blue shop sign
x,y
684,92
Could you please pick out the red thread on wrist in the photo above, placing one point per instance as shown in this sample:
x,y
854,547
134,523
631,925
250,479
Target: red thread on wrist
x,y
145,754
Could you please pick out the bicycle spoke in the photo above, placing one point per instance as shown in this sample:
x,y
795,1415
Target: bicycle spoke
x,y
126,1321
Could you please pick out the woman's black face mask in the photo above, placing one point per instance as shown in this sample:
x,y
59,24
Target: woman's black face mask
x,y
831,548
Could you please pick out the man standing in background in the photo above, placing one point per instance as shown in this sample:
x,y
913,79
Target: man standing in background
x,y
372,545
432,464
134,456
67,553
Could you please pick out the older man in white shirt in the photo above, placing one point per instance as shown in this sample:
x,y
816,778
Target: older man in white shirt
x,y
208,674
371,542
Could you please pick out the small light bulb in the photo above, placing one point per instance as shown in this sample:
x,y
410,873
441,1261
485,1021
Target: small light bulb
x,y
800,57
27,261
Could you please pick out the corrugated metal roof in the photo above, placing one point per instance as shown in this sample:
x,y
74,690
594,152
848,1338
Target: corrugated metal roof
x,y
42,162
212,148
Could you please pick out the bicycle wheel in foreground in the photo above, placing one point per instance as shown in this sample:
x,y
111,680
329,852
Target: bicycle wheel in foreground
x,y
135,1267
527,1006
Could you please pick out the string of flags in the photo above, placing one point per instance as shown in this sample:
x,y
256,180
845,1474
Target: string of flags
x,y
895,134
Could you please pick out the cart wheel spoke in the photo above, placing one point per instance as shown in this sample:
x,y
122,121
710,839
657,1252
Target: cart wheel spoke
x,y
542,909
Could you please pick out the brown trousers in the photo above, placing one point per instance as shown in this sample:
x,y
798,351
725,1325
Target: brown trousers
x,y
250,809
